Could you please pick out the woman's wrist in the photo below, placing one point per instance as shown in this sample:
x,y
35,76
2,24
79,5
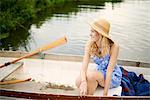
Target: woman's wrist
x,y
83,81
105,93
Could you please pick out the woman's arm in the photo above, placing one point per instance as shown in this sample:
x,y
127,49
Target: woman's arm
x,y
113,59
86,59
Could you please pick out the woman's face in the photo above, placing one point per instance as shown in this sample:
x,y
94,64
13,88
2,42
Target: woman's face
x,y
95,36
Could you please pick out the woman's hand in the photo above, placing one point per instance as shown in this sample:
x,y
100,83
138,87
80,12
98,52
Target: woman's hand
x,y
83,88
104,94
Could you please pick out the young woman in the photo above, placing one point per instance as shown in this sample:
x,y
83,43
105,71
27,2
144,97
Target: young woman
x,y
104,51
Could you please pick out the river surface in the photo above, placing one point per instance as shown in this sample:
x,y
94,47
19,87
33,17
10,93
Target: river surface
x,y
130,27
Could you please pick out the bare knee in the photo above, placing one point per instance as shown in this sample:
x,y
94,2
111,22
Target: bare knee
x,y
92,82
78,81
96,76
91,76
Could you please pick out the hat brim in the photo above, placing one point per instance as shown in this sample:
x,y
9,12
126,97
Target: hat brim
x,y
100,31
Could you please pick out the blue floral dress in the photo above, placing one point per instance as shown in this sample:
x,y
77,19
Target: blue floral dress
x,y
102,64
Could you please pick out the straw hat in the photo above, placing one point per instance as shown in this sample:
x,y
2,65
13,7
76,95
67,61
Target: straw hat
x,y
102,26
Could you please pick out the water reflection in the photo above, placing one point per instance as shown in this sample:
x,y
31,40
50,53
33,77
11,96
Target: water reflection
x,y
129,26
20,37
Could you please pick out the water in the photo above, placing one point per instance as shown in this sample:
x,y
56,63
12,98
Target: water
x,y
130,26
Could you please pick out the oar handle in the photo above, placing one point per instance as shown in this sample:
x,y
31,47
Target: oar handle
x,y
6,64
14,61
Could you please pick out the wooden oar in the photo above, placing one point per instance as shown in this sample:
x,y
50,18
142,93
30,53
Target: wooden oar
x,y
14,81
56,43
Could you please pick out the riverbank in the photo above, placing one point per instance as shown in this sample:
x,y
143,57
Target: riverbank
x,y
14,13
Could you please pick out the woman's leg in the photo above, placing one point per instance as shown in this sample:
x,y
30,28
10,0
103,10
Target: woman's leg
x,y
93,79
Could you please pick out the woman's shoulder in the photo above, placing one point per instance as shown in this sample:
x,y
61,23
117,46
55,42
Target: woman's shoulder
x,y
114,47
114,44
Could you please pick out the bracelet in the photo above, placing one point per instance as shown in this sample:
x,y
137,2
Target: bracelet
x,y
83,81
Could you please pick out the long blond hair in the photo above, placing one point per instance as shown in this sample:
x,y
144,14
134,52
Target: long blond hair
x,y
100,52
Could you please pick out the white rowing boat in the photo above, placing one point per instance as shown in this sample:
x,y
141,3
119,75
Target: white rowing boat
x,y
58,69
